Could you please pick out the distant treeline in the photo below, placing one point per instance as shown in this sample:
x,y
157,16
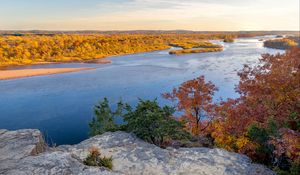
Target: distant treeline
x,y
61,48
28,47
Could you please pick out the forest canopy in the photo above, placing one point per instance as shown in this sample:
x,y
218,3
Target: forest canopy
x,y
63,48
28,48
18,48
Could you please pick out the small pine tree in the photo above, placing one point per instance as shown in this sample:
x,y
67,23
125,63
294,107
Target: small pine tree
x,y
153,123
104,119
148,121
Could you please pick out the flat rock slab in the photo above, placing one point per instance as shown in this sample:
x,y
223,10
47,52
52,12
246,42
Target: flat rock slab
x,y
130,156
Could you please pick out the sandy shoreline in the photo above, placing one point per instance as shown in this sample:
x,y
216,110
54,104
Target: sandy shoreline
x,y
13,74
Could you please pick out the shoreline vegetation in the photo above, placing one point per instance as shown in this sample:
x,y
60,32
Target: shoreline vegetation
x,y
228,39
24,50
14,74
195,47
283,44
30,47
199,50
194,44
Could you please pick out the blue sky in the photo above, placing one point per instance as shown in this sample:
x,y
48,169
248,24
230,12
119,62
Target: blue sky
x,y
149,14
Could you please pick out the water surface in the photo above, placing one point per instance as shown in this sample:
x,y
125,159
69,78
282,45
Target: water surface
x,y
62,105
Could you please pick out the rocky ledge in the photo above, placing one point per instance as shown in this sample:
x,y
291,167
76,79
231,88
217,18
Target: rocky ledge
x,y
25,152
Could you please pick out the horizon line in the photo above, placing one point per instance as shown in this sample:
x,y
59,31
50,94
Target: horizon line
x,y
96,30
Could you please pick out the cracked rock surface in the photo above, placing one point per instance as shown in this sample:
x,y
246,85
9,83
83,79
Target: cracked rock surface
x,y
24,152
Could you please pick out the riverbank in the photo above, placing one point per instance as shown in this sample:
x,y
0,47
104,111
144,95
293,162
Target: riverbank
x,y
18,65
14,74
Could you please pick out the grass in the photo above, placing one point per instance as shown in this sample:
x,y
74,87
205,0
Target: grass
x,y
95,159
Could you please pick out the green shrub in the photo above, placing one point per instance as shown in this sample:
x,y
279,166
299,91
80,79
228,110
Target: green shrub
x,y
147,121
293,170
154,124
104,119
257,134
261,137
94,159
293,121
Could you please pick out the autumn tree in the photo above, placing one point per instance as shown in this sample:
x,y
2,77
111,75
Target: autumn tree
x,y
195,99
273,87
264,122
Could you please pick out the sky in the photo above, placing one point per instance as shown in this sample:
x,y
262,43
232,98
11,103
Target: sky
x,y
198,15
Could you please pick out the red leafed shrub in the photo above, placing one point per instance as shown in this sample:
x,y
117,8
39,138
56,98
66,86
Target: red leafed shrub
x,y
194,99
288,145
263,122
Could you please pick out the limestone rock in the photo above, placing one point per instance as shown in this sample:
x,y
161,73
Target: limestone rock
x,y
24,154
21,143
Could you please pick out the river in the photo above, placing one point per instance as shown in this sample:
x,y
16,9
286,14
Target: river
x,y
61,105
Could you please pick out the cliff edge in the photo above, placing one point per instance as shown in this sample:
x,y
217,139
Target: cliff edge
x,y
25,152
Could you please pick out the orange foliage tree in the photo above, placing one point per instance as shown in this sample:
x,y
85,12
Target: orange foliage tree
x,y
194,98
264,122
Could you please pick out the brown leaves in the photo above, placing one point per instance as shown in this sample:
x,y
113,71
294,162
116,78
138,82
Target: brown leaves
x,y
94,151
